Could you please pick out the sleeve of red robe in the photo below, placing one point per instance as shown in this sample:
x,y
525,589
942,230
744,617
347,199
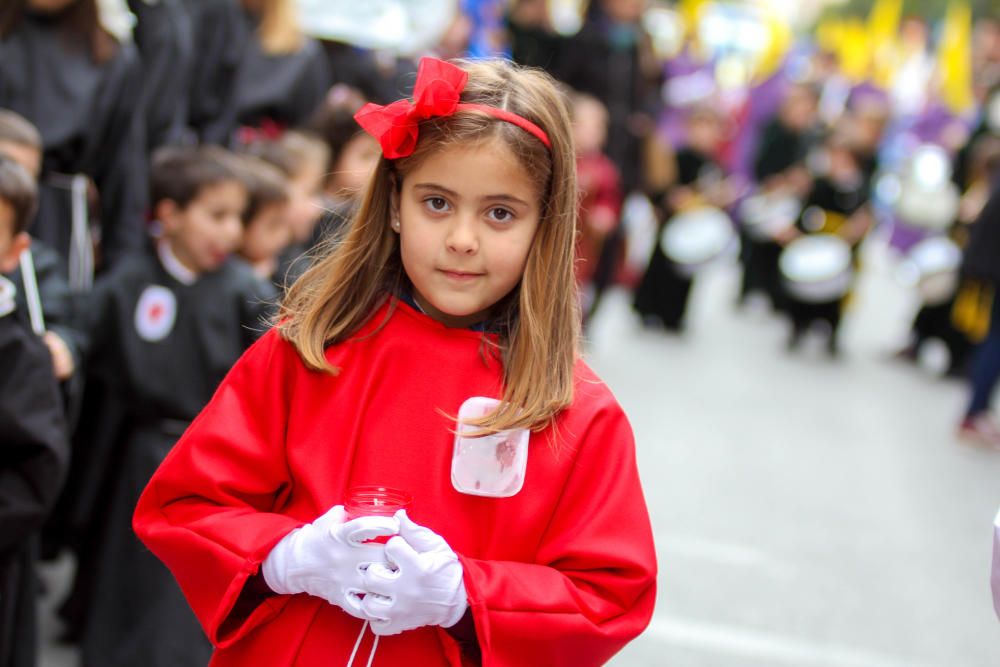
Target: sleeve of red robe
x,y
208,512
593,585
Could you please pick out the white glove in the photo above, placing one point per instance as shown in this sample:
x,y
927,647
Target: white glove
x,y
327,558
421,585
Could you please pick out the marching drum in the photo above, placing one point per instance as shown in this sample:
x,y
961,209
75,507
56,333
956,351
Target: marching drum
x,y
697,238
927,198
765,216
932,267
817,268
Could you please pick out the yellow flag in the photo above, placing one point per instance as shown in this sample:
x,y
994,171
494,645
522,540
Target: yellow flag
x,y
854,50
883,30
690,11
954,58
780,40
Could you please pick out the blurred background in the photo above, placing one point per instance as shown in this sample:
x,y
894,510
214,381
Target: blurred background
x,y
777,201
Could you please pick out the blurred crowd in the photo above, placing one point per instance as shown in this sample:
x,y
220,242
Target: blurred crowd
x,y
178,175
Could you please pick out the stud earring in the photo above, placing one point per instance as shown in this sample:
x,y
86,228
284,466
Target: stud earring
x,y
395,224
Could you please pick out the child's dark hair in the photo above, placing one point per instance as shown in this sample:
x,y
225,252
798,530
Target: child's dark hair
x,y
19,190
266,184
16,129
334,121
180,173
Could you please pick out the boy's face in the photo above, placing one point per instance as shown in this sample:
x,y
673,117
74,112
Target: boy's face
x,y
28,157
11,244
267,234
209,228
590,127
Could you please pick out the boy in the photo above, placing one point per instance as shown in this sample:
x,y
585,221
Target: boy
x,y
21,142
662,294
267,229
33,448
167,325
600,199
837,204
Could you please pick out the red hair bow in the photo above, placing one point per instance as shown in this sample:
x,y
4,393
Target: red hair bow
x,y
437,92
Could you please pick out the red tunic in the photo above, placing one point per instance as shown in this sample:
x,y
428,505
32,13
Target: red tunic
x,y
562,573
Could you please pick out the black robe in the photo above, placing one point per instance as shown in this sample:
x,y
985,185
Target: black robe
x,y
663,291
778,149
217,36
163,35
91,123
843,200
59,312
33,455
136,614
982,254
281,89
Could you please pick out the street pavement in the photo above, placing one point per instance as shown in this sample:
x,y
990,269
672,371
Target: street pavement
x,y
807,511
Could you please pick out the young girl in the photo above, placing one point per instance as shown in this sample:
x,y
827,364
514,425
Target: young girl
x,y
451,297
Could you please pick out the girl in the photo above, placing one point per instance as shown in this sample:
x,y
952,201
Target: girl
x,y
451,297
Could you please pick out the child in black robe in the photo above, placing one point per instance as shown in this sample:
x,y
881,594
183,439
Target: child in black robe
x,y
45,276
267,230
662,294
166,326
33,448
837,204
779,168
81,88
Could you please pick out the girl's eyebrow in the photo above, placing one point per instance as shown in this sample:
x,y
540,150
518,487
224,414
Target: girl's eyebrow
x,y
454,195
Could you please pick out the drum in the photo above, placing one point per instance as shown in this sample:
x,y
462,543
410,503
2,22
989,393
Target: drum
x,y
764,216
927,197
817,268
697,238
932,268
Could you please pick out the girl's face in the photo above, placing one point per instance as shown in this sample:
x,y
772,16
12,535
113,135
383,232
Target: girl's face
x,y
467,218
354,166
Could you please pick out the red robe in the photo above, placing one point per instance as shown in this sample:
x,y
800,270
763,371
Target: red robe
x,y
562,573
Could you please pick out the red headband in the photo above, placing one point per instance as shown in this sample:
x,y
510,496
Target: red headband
x,y
436,93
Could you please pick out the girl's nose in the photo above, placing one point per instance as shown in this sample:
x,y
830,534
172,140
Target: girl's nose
x,y
462,237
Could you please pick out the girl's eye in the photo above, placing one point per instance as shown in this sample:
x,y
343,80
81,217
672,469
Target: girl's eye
x,y
499,214
436,204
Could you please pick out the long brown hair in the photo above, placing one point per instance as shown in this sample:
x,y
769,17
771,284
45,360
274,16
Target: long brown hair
x,y
82,23
538,340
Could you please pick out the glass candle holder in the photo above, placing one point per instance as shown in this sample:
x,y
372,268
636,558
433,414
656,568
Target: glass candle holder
x,y
375,501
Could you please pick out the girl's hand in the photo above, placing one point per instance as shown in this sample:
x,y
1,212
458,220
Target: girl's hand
x,y
421,584
327,558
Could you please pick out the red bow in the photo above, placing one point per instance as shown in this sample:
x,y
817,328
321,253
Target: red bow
x,y
436,93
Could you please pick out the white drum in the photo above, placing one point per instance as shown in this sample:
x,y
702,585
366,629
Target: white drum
x,y
695,239
932,267
927,197
817,268
766,216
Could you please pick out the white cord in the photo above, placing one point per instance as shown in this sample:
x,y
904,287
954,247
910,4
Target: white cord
x,y
357,645
371,656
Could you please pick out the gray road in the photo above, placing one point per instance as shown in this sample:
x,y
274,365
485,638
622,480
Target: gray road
x,y
807,512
